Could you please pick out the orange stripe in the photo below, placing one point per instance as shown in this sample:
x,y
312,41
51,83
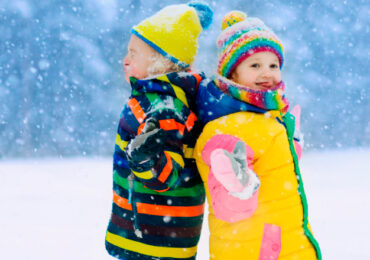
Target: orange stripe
x,y
140,128
171,124
166,169
163,190
198,78
121,202
168,124
190,121
171,211
181,128
160,210
136,110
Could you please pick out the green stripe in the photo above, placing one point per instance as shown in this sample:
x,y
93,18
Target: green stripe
x,y
290,125
135,92
153,98
178,105
251,45
236,36
157,103
139,187
271,100
174,174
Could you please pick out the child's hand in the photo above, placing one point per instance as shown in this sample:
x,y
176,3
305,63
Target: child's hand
x,y
147,145
231,170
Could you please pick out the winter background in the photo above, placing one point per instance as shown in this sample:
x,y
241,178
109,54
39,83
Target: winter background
x,y
62,90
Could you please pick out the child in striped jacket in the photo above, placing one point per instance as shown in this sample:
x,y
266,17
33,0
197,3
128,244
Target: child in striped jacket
x,y
158,195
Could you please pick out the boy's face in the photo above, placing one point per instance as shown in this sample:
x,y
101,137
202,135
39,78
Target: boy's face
x,y
138,59
260,71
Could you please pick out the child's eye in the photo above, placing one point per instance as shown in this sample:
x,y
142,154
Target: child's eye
x,y
255,65
274,66
131,53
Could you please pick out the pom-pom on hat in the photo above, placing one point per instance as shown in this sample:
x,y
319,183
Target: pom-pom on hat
x,y
240,38
174,30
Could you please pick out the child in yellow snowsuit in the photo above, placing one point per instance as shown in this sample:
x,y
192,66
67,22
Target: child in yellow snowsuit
x,y
246,153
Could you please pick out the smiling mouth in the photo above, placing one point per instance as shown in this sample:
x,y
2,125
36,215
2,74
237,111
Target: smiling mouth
x,y
126,69
264,84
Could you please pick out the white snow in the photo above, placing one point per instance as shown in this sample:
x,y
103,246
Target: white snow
x,y
59,209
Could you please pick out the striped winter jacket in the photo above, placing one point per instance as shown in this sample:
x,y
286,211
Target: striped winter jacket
x,y
158,214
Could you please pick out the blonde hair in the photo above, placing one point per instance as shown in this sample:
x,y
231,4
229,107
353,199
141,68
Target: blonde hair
x,y
162,65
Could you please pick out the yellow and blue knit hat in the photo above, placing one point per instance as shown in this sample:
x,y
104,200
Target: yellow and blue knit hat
x,y
174,30
241,37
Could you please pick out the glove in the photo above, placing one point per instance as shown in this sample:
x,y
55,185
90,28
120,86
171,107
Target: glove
x,y
144,150
231,170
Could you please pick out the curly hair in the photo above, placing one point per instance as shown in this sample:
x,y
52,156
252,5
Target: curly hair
x,y
162,65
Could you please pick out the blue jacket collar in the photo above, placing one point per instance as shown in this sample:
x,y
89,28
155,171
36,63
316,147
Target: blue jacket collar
x,y
212,103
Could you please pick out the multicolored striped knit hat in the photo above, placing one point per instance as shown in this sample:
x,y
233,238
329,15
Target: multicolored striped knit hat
x,y
240,38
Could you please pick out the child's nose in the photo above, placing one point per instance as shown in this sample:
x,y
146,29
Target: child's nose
x,y
266,72
126,60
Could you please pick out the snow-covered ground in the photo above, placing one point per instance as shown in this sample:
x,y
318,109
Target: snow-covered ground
x,y
59,209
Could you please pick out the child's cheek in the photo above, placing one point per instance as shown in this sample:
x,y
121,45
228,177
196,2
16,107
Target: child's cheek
x,y
136,71
130,71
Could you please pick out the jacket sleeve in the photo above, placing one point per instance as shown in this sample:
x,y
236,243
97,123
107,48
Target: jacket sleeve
x,y
169,163
228,205
298,135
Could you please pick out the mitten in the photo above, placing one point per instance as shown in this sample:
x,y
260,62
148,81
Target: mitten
x,y
231,170
145,149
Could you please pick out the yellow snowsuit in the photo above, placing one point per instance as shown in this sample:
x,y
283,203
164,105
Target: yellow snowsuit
x,y
281,198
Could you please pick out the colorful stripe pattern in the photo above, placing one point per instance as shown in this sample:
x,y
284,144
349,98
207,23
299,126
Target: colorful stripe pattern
x,y
159,214
243,38
272,99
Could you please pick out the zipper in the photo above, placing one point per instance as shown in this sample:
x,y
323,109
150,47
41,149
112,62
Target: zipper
x,y
288,122
131,200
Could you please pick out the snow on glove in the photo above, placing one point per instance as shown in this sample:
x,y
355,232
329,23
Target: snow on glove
x,y
144,150
231,170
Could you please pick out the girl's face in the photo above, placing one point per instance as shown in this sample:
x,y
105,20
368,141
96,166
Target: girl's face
x,y
260,71
138,59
